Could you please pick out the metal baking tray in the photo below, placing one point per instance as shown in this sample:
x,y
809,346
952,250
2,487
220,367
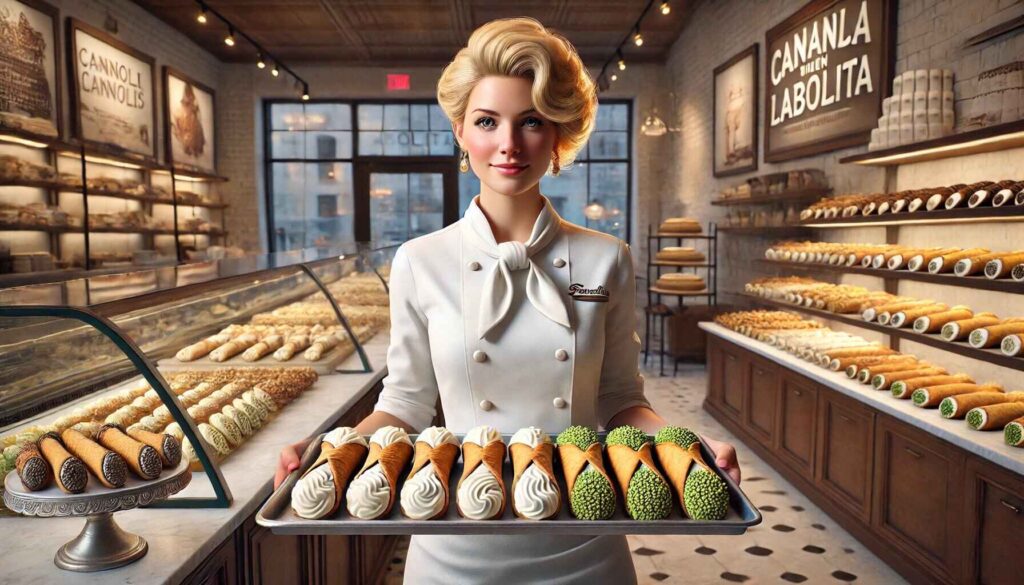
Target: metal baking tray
x,y
277,514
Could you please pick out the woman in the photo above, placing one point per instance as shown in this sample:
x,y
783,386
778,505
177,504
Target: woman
x,y
513,316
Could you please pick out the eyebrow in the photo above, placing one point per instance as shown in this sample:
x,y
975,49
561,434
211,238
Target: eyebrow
x,y
493,113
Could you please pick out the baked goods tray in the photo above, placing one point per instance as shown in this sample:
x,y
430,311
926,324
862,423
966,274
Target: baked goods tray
x,y
277,514
323,366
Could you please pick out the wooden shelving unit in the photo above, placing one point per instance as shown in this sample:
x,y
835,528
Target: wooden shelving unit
x,y
785,197
766,230
990,139
976,282
939,216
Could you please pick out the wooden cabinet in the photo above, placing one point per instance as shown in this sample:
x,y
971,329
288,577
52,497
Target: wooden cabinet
x,y
845,439
271,558
993,523
735,376
220,568
798,417
918,495
760,407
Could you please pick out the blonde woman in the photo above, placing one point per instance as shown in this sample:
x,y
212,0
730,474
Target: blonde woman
x,y
513,316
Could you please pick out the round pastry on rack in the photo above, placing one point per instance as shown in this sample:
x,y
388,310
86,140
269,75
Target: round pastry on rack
x,y
679,254
681,282
680,225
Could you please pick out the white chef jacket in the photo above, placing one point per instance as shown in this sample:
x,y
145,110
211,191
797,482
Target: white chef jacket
x,y
526,371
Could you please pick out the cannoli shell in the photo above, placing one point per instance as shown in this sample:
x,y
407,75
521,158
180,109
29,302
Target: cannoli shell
x,y
443,458
143,460
949,260
392,460
968,325
542,456
108,467
1001,266
860,351
625,461
999,415
166,445
34,471
873,360
912,384
676,460
996,333
890,377
939,392
1019,422
937,320
965,402
344,460
574,460
491,456
69,471
911,314
978,263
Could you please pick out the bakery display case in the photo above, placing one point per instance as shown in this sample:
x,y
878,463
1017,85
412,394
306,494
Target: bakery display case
x,y
207,353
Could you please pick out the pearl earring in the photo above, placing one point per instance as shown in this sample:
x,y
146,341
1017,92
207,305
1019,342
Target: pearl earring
x,y
464,162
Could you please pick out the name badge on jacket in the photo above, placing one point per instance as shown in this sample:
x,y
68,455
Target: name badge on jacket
x,y
578,292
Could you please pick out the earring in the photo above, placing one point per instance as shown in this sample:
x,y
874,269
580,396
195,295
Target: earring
x,y
555,168
464,161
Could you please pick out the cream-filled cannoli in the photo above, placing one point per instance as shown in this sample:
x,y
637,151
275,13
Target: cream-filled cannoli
x,y
702,494
69,472
480,494
201,348
884,381
905,388
960,329
233,347
946,262
994,416
647,492
992,335
986,195
1002,266
933,323
425,494
142,459
166,445
321,489
33,470
373,491
108,467
268,344
1013,433
535,492
959,405
932,396
907,316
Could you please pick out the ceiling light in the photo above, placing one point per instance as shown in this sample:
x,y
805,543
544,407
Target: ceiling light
x,y
305,92
622,63
638,39
274,71
201,17
260,62
665,8
615,77
230,39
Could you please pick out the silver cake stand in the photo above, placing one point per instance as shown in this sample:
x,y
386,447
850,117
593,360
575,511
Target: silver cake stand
x,y
102,544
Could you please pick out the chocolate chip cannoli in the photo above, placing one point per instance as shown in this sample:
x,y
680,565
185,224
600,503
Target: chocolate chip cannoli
x,y
108,467
143,459
69,471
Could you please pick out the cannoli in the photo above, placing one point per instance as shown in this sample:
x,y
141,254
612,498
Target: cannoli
x,y
69,472
959,405
233,347
480,493
227,427
974,265
425,494
907,317
292,345
994,416
34,471
854,364
1000,267
266,345
167,447
865,374
986,195
1011,345
992,335
320,490
1017,273
921,260
322,345
946,262
535,492
373,491
647,494
212,437
868,350
701,492
904,388
199,349
241,420
143,460
933,323
959,330
108,467
591,491
938,196
873,313
884,381
1013,433
931,396
960,197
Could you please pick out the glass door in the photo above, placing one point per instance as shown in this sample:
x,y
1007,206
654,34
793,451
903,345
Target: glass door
x,y
403,200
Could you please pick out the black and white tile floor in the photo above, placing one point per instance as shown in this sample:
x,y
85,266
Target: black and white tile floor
x,y
796,543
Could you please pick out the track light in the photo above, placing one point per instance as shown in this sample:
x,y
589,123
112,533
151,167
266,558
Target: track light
x,y
665,8
305,92
638,39
260,62
622,63
615,77
230,39
274,71
201,17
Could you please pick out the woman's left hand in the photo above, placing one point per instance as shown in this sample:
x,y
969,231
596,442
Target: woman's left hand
x,y
725,457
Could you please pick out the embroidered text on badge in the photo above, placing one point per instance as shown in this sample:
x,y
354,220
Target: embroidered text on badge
x,y
578,292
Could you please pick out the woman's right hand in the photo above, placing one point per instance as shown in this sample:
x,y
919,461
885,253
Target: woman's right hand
x,y
288,461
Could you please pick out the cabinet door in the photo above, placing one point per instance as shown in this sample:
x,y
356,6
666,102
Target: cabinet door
x,y
797,423
220,568
919,497
735,378
993,521
762,402
273,558
845,436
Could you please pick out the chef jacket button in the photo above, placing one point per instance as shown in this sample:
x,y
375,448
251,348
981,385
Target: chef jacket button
x,y
474,266
558,262
561,355
486,405
479,356
559,402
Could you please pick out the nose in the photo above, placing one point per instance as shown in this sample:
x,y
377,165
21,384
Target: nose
x,y
510,140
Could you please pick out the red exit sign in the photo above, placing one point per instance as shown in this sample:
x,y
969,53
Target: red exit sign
x,y
398,81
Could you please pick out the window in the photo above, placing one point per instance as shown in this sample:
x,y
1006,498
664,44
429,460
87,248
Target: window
x,y
594,191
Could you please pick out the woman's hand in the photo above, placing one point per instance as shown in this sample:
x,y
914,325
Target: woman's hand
x,y
725,458
288,461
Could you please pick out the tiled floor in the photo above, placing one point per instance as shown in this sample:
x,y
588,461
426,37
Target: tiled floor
x,y
796,543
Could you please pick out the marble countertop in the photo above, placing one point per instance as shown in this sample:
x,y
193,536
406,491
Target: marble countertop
x,y
988,445
180,539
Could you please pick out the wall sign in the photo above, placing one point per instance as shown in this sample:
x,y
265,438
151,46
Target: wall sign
x,y
827,69
113,90
735,99
29,80
188,122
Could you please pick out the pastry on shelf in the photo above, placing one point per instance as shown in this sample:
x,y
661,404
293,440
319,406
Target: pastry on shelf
x,y
69,471
321,489
957,406
647,493
993,335
985,195
590,488
425,494
932,396
961,329
679,254
994,417
702,494
680,225
905,388
33,470
141,458
14,169
373,491
681,282
108,467
535,491
480,493
1013,433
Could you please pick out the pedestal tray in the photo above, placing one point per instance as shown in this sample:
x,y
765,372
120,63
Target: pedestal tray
x,y
102,544
277,513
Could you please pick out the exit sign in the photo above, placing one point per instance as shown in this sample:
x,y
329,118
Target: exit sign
x,y
398,81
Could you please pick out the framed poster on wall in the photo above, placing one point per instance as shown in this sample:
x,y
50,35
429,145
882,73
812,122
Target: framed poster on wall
x,y
188,122
113,90
827,69
30,90
735,99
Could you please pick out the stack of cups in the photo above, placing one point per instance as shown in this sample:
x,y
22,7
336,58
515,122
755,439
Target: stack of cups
x,y
921,108
907,107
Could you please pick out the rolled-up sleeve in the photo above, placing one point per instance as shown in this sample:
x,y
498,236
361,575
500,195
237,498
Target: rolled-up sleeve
x,y
410,388
621,384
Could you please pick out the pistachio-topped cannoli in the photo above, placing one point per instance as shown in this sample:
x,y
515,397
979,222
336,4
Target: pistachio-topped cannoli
x,y
591,490
701,492
648,496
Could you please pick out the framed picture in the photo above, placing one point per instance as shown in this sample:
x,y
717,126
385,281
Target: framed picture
x,y
113,89
188,122
735,99
827,68
30,91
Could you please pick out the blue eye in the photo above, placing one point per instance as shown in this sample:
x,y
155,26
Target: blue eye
x,y
533,122
485,122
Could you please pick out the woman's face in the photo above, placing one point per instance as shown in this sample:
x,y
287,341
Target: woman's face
x,y
509,143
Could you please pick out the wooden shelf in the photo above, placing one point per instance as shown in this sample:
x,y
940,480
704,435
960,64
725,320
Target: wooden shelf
x,y
202,204
976,282
41,184
115,230
939,216
682,236
767,230
681,264
795,195
992,356
198,176
990,139
676,293
125,195
31,227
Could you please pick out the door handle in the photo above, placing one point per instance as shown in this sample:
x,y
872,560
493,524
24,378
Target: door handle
x,y
846,418
1016,509
912,452
798,393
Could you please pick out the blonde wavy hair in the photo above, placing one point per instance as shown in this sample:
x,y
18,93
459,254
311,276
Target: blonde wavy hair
x,y
563,90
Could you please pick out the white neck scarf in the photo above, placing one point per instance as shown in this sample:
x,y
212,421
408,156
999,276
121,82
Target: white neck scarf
x,y
497,294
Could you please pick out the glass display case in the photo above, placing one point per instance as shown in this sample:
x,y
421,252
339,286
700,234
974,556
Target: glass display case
x,y
205,352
